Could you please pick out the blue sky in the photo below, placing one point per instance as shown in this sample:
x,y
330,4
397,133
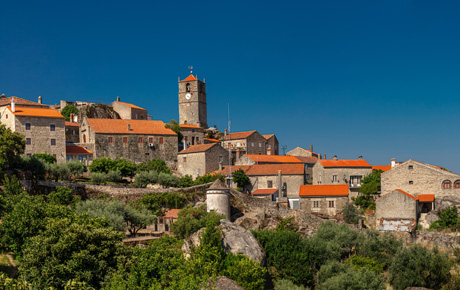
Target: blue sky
x,y
372,78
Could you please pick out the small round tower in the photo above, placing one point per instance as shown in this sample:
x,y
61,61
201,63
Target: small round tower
x,y
218,198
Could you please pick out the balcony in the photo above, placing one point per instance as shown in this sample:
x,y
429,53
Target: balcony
x,y
354,185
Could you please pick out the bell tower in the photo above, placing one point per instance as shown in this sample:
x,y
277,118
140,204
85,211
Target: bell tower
x,y
192,101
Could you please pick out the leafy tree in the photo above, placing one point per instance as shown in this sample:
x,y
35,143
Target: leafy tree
x,y
287,225
36,167
350,213
62,195
285,284
369,187
67,110
359,262
45,157
114,176
143,178
244,271
12,145
186,181
174,125
156,202
104,165
210,177
381,247
192,219
58,171
158,165
12,185
98,178
447,218
76,168
127,168
168,180
240,178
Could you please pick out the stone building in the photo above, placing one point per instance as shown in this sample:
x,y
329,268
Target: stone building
x,y
241,143
265,192
301,152
255,159
198,160
336,171
272,144
19,102
72,131
416,178
129,111
323,199
218,199
192,134
396,210
135,140
78,153
44,129
192,102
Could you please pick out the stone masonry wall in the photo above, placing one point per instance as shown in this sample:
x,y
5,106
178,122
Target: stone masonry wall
x,y
293,183
72,134
193,164
395,205
193,110
306,204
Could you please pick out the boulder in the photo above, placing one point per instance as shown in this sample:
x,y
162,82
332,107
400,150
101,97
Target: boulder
x,y
235,239
221,283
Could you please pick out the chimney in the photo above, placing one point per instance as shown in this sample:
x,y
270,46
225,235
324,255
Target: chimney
x,y
13,106
118,99
324,156
71,118
334,158
185,144
393,162
360,157
269,151
198,124
237,154
280,184
129,127
311,148
39,99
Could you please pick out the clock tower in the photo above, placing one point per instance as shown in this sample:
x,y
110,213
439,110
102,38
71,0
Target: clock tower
x,y
192,102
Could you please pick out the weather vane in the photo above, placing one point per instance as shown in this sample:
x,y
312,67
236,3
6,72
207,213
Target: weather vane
x,y
191,69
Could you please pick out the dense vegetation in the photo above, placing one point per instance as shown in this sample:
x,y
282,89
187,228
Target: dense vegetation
x,y
370,185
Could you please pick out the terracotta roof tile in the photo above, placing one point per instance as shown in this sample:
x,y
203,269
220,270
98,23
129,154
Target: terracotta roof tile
x,y
267,169
172,213
273,158
20,101
190,126
212,140
198,148
425,197
323,190
36,112
381,167
69,149
401,191
120,126
190,78
344,163
240,135
130,105
307,159
67,123
264,191
268,136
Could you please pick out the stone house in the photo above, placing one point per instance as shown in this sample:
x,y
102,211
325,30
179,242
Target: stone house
x,y
245,143
164,222
44,129
199,160
129,111
78,153
272,193
135,140
299,151
396,210
19,102
193,135
416,178
72,131
336,171
272,144
326,200
255,159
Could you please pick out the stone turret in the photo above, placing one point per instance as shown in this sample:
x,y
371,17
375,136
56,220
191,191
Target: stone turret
x,y
218,198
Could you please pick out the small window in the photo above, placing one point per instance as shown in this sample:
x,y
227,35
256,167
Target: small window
x,y
54,155
221,159
125,139
185,159
29,155
161,140
141,140
142,117
457,184
197,139
269,146
27,126
252,144
151,140
446,184
316,204
53,142
411,167
73,132
330,204
411,182
110,139
84,138
136,116
334,178
269,184
52,127
28,141
6,116
260,144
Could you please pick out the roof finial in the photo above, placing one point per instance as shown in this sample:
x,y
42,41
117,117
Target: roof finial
x,y
191,69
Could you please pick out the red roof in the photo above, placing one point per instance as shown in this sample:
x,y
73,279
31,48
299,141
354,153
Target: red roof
x,y
307,159
190,78
130,105
425,197
264,191
381,167
323,190
190,126
407,194
172,213
240,135
197,148
120,126
73,149
268,136
212,140
344,163
273,158
267,169
72,124
36,112
19,101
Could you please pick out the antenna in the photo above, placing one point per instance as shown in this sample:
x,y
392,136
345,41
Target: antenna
x,y
229,124
284,149
191,69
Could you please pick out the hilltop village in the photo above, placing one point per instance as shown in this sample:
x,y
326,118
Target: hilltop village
x,y
301,179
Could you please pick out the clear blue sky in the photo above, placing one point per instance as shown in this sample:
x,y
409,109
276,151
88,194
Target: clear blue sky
x,y
372,78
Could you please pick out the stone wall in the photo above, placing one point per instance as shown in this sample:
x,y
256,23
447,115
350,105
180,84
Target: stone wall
x,y
192,135
301,152
306,204
395,205
193,111
202,163
293,183
274,144
72,133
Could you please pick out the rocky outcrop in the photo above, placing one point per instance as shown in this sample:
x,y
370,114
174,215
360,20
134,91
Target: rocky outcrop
x,y
221,283
235,239
99,111
444,241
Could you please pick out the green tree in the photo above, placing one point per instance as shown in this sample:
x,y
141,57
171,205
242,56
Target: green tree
x,y
67,110
168,180
62,195
381,247
447,218
240,178
210,177
144,178
285,284
156,202
186,181
12,145
76,168
158,165
350,213
174,125
369,188
192,219
47,158
35,166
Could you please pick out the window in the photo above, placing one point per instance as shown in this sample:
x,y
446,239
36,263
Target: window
x,y
54,155
52,127
330,204
141,140
316,204
142,117
260,144
252,144
68,158
110,139
221,159
28,141
73,132
269,146
84,138
125,139
53,142
355,181
198,140
161,140
136,116
411,182
411,167
187,87
238,144
185,159
27,126
457,184
29,155
270,184
334,178
446,184
151,140
6,116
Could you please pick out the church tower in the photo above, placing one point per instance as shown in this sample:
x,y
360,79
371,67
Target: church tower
x,y
192,102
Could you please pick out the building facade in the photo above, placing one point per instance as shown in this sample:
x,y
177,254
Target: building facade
x,y
241,143
299,151
198,160
272,147
129,111
193,135
396,210
323,199
192,102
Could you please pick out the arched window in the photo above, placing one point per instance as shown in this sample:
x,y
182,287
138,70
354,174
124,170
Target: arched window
x,y
457,184
446,184
187,87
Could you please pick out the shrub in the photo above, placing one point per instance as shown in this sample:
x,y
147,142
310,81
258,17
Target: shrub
x,y
192,219
240,178
285,284
98,178
126,167
104,165
58,171
350,213
210,177
155,202
114,176
76,168
448,218
158,165
381,247
67,110
62,195
359,262
45,157
145,177
168,180
36,166
186,181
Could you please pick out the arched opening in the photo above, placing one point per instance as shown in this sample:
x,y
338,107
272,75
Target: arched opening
x,y
446,184
457,184
187,87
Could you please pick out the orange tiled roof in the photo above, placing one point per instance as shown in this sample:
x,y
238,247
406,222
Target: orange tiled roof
x,y
120,126
425,197
197,148
323,190
19,101
267,169
264,191
36,112
190,126
130,105
405,193
344,163
76,149
307,159
273,158
67,123
268,136
190,78
212,140
381,167
240,135
172,213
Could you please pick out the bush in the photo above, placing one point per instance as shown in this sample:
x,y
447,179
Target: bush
x,y
47,158
240,178
210,177
192,219
158,165
114,176
186,181
381,247
156,202
62,195
36,166
144,178
285,284
448,218
76,168
67,110
168,180
359,262
98,178
104,165
58,171
350,213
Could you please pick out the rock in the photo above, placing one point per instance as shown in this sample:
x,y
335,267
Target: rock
x,y
221,283
199,204
235,239
154,186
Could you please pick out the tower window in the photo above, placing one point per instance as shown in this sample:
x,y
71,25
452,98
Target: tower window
x,y
187,87
28,141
